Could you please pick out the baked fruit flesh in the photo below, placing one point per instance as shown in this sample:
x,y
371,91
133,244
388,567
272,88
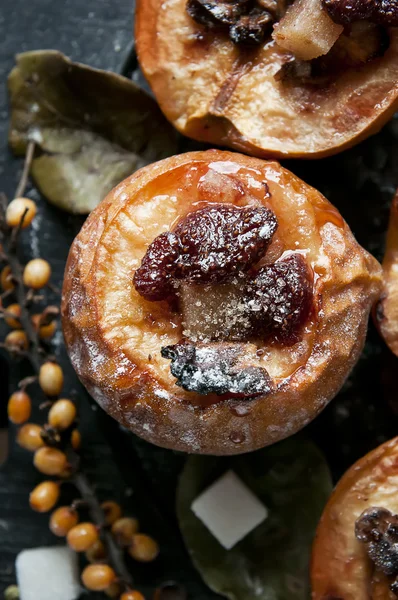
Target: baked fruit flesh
x,y
214,303
271,78
355,553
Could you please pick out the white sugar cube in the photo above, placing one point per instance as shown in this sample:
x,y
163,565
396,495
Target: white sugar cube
x,y
229,509
48,574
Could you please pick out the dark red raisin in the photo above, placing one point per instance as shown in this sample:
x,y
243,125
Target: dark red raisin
x,y
382,12
210,245
280,297
377,528
216,12
154,279
216,369
221,240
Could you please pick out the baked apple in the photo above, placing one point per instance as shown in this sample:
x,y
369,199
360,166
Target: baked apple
x,y
386,312
214,303
355,553
272,77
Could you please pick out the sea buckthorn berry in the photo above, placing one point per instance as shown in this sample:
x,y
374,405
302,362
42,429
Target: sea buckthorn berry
x,y
45,331
76,439
13,316
143,548
50,461
16,341
97,578
37,273
81,537
62,520
44,497
6,279
51,379
132,595
112,511
17,208
19,407
62,414
123,530
96,552
29,437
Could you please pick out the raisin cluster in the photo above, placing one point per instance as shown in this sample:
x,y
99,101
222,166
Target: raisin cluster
x,y
208,246
217,244
345,12
245,21
377,528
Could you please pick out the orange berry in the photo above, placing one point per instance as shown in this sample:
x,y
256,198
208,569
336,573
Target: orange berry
x,y
44,497
132,595
45,331
96,552
62,520
98,578
16,340
29,437
123,530
6,279
19,407
76,439
51,379
112,511
81,537
37,273
143,548
13,316
17,208
62,414
50,461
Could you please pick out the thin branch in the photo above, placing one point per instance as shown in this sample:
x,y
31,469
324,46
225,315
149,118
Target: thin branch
x,y
26,168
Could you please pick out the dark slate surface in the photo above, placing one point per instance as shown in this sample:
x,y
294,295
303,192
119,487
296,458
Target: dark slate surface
x,y
360,182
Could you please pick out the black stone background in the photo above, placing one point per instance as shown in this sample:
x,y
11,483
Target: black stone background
x,y
142,477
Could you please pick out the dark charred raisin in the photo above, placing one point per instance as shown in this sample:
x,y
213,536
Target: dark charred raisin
x,y
280,297
252,29
377,528
216,12
154,279
247,22
382,12
209,246
216,369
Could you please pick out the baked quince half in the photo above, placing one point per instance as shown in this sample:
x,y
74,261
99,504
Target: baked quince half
x,y
277,78
386,312
355,553
214,303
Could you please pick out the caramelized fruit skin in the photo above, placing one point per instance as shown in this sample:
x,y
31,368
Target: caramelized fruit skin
x,y
114,336
340,565
214,92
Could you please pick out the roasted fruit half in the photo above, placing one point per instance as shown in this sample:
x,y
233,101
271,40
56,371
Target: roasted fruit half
x,y
386,312
355,553
215,303
272,77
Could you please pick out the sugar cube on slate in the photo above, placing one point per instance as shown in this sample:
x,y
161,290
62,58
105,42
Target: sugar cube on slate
x,y
48,574
229,509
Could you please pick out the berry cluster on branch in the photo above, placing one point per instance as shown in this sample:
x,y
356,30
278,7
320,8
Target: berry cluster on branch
x,y
109,535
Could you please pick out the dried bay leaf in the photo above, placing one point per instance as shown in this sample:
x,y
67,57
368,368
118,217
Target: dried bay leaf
x,y
293,481
92,128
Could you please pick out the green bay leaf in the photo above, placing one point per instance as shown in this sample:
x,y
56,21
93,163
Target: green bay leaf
x,y
92,128
293,481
